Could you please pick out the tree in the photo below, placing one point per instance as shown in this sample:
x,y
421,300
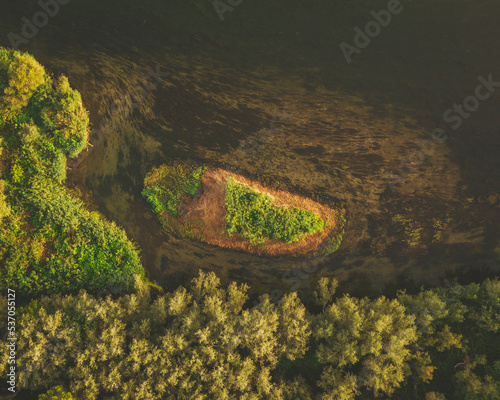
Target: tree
x,y
24,76
434,396
193,343
56,393
64,116
471,386
325,291
363,344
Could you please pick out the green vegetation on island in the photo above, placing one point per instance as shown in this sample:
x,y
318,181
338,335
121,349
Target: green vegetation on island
x,y
165,186
49,242
253,215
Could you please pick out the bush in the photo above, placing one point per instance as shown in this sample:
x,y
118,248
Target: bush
x,y
64,116
253,215
24,76
165,186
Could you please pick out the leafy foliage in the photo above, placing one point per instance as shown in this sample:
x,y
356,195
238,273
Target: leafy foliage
x,y
88,251
49,242
56,393
23,75
471,386
64,116
29,132
255,217
59,166
165,186
458,332
207,342
195,343
363,343
325,291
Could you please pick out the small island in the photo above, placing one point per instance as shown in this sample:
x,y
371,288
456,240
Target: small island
x,y
223,208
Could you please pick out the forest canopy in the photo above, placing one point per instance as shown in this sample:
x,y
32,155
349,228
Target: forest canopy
x,y
209,341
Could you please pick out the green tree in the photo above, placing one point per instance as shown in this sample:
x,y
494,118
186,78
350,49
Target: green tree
x,y
434,396
56,393
433,317
471,386
325,291
24,75
64,116
193,343
363,344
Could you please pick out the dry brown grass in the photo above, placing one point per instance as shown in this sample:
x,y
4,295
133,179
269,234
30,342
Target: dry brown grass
x,y
207,216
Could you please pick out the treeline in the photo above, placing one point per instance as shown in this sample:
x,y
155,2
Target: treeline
x,y
208,342
49,242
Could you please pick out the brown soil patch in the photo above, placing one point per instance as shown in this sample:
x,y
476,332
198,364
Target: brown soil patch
x,y
206,216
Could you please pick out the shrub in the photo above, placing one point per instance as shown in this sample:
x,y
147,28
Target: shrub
x,y
64,116
165,186
24,76
255,217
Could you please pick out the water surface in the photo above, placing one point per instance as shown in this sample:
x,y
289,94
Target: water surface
x,y
267,91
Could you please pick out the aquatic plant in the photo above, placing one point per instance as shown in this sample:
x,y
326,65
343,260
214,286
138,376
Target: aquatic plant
x,y
165,186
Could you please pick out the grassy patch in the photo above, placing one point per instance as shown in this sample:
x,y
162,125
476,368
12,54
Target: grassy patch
x,y
253,215
165,186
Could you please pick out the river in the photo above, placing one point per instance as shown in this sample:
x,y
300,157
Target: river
x,y
268,91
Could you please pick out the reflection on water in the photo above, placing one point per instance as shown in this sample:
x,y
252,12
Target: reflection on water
x,y
351,124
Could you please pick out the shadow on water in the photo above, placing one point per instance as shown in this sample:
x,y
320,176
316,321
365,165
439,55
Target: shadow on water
x,y
346,126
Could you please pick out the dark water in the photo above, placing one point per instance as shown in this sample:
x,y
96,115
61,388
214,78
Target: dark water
x,y
334,129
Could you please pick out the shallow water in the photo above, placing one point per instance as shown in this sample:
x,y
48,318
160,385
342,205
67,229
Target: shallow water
x,y
328,129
